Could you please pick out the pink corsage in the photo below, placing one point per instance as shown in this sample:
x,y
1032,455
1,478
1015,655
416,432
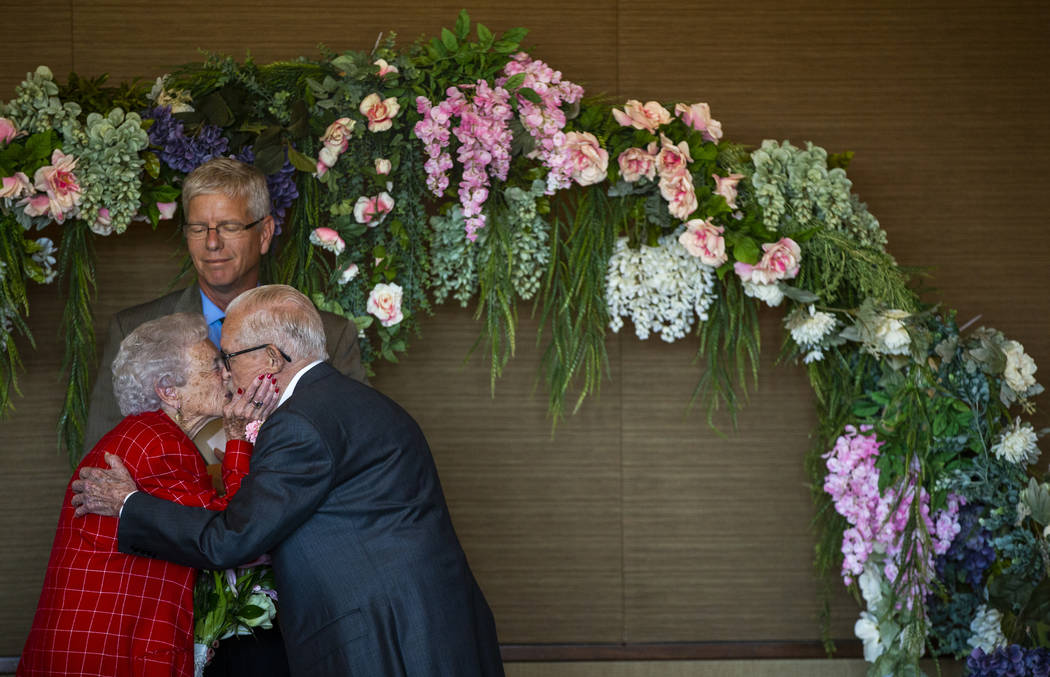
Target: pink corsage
x,y
251,431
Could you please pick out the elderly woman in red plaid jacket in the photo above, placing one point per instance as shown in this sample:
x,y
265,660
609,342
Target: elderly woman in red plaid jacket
x,y
105,613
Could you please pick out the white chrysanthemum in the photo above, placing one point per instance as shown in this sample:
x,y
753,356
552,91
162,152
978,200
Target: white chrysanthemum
x,y
1017,444
987,629
892,334
808,326
867,630
813,356
661,289
769,293
1020,369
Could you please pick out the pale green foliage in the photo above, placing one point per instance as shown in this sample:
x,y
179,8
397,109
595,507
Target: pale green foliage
x,y
797,191
37,108
453,265
109,167
529,233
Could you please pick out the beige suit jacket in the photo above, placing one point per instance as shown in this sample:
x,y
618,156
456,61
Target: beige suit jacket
x,y
344,353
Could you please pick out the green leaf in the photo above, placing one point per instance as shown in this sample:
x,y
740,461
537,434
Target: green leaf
x,y
251,612
301,161
462,25
485,37
514,82
152,164
215,110
39,146
504,46
529,94
515,35
363,322
269,158
449,40
746,250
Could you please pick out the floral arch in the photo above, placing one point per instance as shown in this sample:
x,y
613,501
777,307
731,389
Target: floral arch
x,y
462,169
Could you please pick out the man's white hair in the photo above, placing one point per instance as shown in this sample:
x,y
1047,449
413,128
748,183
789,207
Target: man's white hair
x,y
280,315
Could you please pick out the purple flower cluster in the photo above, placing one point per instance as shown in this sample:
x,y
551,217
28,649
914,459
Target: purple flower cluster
x,y
1010,661
971,553
180,152
280,184
878,522
545,120
484,144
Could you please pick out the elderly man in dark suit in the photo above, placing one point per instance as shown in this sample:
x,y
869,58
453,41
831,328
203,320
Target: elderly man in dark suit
x,y
228,229
344,494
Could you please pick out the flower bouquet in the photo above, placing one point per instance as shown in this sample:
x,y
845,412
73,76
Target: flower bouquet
x,y
229,603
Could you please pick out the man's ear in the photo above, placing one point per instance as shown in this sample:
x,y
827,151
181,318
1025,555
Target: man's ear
x,y
169,395
266,234
277,362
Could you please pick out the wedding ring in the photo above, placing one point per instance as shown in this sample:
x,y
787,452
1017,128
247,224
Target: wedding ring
x,y
257,404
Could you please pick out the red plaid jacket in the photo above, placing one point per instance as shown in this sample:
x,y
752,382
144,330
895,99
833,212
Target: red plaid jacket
x,y
105,613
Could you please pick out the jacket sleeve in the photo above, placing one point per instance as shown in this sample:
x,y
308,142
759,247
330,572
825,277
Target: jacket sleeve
x,y
173,471
291,474
103,412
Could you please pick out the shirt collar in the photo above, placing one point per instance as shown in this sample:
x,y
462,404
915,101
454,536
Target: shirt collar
x,y
295,379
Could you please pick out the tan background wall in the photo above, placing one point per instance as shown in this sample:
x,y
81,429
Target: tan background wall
x,y
635,523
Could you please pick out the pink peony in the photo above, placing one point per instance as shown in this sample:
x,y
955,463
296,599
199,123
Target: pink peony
x,y
166,209
372,210
60,184
698,116
680,195
37,205
704,240
326,238
15,186
636,163
588,160
7,130
382,166
779,262
672,159
726,187
385,303
380,112
649,116
384,67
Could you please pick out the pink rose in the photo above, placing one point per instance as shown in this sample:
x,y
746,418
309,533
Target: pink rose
x,y
385,303
636,163
166,209
326,238
672,159
372,210
322,168
587,160
704,240
698,116
380,112
680,195
726,187
382,166
337,136
60,184
7,130
779,262
349,273
15,186
37,205
328,156
649,116
103,224
384,67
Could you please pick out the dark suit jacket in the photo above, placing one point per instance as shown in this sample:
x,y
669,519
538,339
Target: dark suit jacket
x,y
344,352
344,494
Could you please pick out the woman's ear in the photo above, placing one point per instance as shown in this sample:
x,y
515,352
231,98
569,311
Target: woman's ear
x,y
169,395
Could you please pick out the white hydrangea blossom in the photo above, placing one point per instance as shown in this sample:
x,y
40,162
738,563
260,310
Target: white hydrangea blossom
x,y
986,627
1017,444
769,293
661,289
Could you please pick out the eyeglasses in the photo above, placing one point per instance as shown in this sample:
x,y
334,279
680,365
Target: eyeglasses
x,y
226,356
199,231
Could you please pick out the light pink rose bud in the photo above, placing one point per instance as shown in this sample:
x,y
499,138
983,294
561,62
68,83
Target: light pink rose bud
x,y
36,205
337,136
380,112
7,130
385,303
680,195
636,163
327,157
382,166
587,160
698,116
60,184
385,67
372,210
326,238
704,240
103,224
349,273
16,186
166,209
672,159
322,169
779,262
726,187
649,116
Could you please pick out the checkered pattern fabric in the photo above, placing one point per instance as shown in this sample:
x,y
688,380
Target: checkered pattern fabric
x,y
105,613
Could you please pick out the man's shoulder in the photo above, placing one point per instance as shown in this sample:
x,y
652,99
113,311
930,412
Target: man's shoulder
x,y
180,300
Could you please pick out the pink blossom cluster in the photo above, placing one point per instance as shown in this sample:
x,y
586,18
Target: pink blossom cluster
x,y
878,522
54,192
545,121
484,144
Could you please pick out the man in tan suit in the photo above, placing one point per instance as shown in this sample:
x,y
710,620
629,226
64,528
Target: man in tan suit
x,y
228,228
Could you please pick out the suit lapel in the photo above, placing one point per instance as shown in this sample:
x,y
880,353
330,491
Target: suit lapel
x,y
190,300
